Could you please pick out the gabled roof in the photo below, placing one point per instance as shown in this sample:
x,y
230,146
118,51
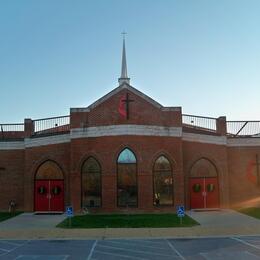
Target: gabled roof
x,y
125,85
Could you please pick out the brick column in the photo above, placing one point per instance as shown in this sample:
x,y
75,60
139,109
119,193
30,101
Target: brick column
x,y
28,127
221,125
178,116
78,118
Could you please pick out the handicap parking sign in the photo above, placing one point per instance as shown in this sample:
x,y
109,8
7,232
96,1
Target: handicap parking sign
x,y
69,211
180,211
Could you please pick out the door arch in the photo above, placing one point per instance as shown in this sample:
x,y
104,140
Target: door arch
x,y
203,185
49,188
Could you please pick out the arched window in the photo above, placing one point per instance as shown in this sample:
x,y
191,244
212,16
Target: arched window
x,y
126,179
49,170
162,182
91,183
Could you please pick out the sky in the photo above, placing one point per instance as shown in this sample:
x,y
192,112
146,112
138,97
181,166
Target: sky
x,y
202,55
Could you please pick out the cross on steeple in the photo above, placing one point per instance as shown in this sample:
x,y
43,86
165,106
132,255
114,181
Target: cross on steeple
x,y
123,33
127,101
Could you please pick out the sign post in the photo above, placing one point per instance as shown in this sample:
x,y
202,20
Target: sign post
x,y
69,212
180,213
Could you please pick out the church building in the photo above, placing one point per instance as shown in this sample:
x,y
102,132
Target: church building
x,y
127,152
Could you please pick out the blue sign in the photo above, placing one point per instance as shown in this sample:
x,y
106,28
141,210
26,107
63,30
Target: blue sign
x,y
180,211
69,211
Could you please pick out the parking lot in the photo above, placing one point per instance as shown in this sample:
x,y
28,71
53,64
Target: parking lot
x,y
197,248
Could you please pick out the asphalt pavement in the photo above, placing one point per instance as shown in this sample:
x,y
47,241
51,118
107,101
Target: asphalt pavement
x,y
223,234
247,248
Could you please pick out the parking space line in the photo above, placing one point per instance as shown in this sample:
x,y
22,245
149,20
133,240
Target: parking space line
x,y
146,241
251,254
9,251
204,255
254,240
10,243
92,250
131,250
132,244
174,249
245,242
37,256
4,249
125,256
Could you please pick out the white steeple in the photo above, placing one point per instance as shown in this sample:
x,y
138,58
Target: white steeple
x,y
124,77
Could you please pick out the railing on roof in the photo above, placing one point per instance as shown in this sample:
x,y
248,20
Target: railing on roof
x,y
61,124
200,122
12,127
52,125
243,128
11,131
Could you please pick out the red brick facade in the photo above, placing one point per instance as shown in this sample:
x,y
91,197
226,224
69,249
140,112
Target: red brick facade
x,y
151,130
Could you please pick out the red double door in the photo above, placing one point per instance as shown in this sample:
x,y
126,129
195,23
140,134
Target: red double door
x,y
49,196
204,193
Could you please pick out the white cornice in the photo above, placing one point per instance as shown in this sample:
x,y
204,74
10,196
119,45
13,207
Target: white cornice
x,y
47,140
208,139
178,109
237,142
118,130
79,109
137,130
8,145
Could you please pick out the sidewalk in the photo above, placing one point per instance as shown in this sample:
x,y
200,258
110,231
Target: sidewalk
x,y
214,223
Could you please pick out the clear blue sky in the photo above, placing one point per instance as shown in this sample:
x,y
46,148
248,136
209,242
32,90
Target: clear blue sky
x,y
203,55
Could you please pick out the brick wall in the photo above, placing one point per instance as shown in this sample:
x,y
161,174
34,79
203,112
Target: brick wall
x,y
106,150
141,112
11,178
244,190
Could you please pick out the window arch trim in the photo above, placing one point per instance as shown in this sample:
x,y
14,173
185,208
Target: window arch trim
x,y
168,181
87,174
122,166
126,156
55,166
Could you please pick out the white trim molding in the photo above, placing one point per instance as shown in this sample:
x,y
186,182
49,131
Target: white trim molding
x,y
118,130
135,130
10,145
208,139
236,141
47,140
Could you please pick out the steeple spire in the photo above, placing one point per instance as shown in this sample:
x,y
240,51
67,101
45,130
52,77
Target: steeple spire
x,y
124,77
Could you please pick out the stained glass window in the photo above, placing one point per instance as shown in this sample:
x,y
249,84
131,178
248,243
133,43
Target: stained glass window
x,y
126,156
126,179
91,183
163,182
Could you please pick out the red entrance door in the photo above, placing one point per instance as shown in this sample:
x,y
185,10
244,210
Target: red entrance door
x,y
49,195
204,193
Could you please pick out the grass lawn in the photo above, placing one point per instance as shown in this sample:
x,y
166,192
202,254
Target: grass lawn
x,y
7,215
253,212
128,221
